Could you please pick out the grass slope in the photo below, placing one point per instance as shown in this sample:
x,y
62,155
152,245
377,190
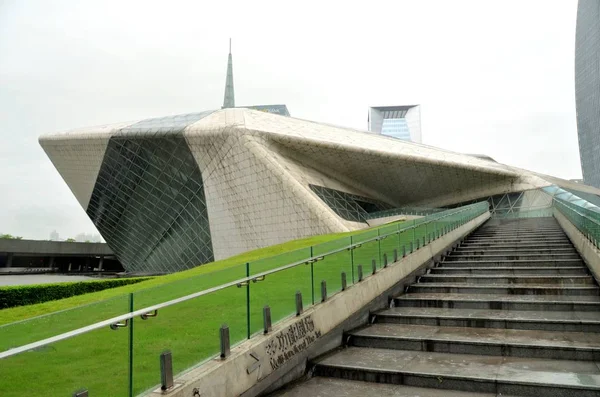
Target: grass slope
x,y
24,312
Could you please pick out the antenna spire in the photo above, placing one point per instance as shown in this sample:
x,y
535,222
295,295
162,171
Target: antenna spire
x,y
229,98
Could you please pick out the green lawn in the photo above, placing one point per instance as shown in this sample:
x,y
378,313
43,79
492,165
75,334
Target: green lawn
x,y
98,360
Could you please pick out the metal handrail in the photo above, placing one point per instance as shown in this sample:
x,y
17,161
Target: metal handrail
x,y
127,316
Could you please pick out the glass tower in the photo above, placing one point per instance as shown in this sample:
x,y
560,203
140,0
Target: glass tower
x,y
587,88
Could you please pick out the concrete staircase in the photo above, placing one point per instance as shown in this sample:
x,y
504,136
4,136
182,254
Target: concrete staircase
x,y
513,311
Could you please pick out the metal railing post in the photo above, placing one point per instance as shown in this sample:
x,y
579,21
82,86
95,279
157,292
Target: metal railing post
x,y
166,370
131,347
225,342
248,327
344,284
323,291
360,273
352,258
299,308
312,276
267,325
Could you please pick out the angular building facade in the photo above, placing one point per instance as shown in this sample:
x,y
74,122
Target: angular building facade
x,y
587,88
401,122
171,193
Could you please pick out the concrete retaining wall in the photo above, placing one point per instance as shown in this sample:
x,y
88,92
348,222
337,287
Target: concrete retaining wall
x,y
283,353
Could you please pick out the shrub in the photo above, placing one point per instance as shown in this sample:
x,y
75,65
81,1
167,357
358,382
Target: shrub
x,y
22,295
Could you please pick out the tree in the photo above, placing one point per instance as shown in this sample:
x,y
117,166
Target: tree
x,y
70,240
10,237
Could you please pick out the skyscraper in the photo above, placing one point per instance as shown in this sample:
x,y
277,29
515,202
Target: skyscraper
x,y
402,122
587,88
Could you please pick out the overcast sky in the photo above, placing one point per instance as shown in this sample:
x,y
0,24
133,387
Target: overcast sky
x,y
493,77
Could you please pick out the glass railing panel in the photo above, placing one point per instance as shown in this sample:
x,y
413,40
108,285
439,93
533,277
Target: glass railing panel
x,y
366,253
278,291
389,244
330,268
97,361
406,242
177,289
190,330
42,327
273,262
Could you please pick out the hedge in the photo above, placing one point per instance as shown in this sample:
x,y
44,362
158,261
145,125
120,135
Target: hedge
x,y
22,295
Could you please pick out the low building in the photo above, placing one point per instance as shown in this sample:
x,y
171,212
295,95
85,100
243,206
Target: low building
x,y
38,256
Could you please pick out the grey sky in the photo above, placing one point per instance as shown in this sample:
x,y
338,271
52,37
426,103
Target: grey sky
x,y
492,77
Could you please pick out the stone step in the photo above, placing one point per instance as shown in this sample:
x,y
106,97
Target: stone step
x,y
505,246
516,240
455,256
493,279
533,236
517,263
447,268
518,251
519,231
335,387
480,341
508,289
569,321
467,372
561,303
518,235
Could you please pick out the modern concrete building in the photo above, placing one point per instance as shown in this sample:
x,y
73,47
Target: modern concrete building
x,y
174,192
402,122
587,88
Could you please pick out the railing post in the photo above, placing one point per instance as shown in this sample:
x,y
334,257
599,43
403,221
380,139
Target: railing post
x,y
131,346
379,245
414,237
411,247
248,327
166,370
312,276
352,259
385,262
360,273
404,250
323,291
344,283
225,342
396,255
299,308
374,266
267,325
